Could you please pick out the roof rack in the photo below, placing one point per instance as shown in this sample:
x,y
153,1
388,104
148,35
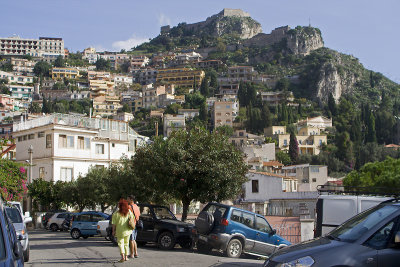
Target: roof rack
x,y
358,190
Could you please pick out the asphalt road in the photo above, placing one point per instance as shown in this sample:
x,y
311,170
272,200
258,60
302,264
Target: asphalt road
x,y
59,249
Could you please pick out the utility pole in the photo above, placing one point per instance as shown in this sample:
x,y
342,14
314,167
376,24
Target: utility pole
x,y
156,125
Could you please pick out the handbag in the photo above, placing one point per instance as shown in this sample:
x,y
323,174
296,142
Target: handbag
x,y
131,223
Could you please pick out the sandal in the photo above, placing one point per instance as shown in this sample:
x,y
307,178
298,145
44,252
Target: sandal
x,y
121,260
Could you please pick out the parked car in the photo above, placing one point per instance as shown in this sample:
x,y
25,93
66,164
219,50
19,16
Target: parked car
x,y
56,221
11,251
26,216
235,231
48,215
14,215
333,210
371,238
160,226
84,224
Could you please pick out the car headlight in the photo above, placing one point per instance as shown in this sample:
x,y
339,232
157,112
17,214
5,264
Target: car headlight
x,y
302,262
181,229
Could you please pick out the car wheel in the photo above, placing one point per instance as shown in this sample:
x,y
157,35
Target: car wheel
x,y
54,227
203,248
75,233
26,254
186,244
234,248
166,241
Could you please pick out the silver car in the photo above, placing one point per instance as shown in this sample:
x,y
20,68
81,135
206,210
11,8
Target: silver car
x,y
15,217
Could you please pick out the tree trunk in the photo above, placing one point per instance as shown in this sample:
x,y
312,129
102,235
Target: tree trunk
x,y
185,206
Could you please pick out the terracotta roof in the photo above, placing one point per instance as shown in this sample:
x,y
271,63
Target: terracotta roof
x,y
272,163
273,174
392,145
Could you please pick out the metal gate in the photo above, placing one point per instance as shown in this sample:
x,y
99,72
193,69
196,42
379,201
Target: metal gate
x,y
291,233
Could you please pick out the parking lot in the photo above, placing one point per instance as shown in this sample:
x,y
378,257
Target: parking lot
x,y
59,249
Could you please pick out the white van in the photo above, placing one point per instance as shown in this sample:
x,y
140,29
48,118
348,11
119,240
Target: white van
x,y
333,210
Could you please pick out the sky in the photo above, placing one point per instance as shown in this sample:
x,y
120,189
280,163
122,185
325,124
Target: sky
x,y
365,29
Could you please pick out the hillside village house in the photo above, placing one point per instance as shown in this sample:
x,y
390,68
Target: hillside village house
x,y
275,98
310,139
66,146
319,122
173,122
309,177
182,77
223,114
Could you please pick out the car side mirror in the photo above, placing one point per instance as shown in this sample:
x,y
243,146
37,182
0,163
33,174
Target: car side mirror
x,y
273,231
397,239
17,249
21,237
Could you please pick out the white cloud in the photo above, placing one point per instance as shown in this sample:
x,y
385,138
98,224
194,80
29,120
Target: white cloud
x,y
163,20
128,44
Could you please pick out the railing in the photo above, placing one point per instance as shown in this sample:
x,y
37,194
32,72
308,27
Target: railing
x,y
291,233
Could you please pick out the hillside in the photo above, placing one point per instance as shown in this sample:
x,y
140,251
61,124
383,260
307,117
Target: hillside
x,y
235,38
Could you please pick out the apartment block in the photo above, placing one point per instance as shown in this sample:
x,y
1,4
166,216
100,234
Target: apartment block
x,y
173,123
61,73
223,113
180,77
66,146
15,78
275,98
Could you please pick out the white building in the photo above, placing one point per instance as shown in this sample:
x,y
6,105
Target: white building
x,y
46,47
66,146
21,91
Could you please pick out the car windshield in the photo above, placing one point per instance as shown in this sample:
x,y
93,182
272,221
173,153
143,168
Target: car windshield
x,y
14,215
361,223
163,213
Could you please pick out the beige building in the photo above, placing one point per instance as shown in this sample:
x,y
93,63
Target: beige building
x,y
61,73
100,88
309,139
319,122
180,77
109,106
275,98
173,123
309,177
223,113
151,95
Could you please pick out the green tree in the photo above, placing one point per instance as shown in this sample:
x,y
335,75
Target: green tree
x,y
345,148
225,130
59,62
47,194
371,133
191,166
283,157
12,178
332,105
125,108
101,194
293,148
381,176
203,112
102,64
34,107
204,89
266,118
7,67
42,69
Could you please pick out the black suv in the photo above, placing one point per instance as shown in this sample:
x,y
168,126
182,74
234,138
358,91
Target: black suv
x,y
371,238
162,227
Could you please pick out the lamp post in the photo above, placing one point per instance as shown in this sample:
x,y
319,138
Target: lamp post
x,y
30,152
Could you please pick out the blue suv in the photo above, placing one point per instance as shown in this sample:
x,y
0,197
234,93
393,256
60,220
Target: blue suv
x,y
84,224
235,231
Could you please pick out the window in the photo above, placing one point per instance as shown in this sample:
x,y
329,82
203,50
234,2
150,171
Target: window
x,y
41,172
87,143
248,219
96,218
40,134
314,180
31,136
25,137
380,239
262,225
62,141
236,216
48,141
81,142
20,139
145,212
83,218
66,174
99,148
285,142
70,141
254,186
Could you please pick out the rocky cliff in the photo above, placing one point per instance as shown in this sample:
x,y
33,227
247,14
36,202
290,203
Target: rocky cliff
x,y
303,40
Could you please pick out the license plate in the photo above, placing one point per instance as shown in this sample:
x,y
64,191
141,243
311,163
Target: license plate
x,y
203,238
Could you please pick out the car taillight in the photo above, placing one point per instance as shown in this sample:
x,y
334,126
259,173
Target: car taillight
x,y
224,222
98,227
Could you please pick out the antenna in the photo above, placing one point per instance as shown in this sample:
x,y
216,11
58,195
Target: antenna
x,y
309,22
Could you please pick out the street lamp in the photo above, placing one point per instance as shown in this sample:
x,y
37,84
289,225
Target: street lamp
x,y
30,152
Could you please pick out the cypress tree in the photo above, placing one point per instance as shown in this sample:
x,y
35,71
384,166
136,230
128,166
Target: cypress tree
x,y
293,148
204,89
371,132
